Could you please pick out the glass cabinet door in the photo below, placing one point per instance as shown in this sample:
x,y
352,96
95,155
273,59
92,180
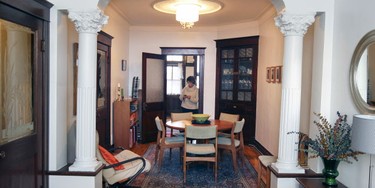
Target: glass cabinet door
x,y
227,69
245,71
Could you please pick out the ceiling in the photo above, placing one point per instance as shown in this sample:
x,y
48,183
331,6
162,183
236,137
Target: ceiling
x,y
141,13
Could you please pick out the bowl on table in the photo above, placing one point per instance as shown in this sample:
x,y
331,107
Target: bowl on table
x,y
200,118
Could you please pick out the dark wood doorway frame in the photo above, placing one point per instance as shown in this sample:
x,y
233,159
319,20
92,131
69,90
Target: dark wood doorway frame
x,y
195,51
25,160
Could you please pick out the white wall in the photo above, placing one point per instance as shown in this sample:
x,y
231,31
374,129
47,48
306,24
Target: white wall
x,y
352,21
58,91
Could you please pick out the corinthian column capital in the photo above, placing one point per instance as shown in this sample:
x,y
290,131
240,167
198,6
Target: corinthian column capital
x,y
88,21
294,24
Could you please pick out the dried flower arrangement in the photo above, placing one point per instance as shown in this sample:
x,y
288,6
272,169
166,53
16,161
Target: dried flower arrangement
x,y
332,142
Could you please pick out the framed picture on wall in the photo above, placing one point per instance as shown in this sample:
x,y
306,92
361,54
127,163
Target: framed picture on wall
x,y
278,74
273,74
268,74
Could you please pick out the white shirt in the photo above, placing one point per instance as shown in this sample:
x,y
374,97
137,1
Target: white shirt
x,y
191,103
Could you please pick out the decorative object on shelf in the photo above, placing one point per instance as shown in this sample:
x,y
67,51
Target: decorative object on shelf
x,y
118,92
135,87
187,11
332,145
363,130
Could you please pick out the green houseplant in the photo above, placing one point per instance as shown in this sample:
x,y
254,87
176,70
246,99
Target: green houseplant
x,y
332,145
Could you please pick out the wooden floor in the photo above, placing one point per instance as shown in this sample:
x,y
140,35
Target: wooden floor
x,y
251,153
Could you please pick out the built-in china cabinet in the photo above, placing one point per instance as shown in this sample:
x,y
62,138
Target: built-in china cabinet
x,y
236,79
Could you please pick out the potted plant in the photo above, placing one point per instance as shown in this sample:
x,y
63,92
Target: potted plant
x,y
332,145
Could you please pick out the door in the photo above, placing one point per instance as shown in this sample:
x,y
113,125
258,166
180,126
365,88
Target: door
x,y
23,95
103,89
153,94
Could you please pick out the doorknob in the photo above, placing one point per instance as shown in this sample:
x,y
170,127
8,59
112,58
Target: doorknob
x,y
2,154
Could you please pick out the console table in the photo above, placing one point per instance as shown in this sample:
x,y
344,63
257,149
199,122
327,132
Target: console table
x,y
316,183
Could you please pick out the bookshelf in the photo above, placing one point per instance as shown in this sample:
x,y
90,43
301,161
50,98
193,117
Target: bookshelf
x,y
125,121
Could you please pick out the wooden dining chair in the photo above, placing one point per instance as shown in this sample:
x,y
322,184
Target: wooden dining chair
x,y
180,116
201,150
234,143
229,117
164,142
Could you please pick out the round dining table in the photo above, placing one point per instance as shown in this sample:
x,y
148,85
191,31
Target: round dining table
x,y
180,125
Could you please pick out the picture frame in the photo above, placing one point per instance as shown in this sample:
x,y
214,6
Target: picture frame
x,y
278,74
268,74
273,74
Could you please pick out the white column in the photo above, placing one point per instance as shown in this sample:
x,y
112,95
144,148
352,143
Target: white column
x,y
293,26
88,24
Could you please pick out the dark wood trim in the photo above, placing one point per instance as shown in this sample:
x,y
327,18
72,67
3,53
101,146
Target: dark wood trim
x,y
183,50
235,42
105,38
36,15
36,8
308,174
64,171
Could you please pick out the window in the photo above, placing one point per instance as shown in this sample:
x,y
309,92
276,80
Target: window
x,y
174,74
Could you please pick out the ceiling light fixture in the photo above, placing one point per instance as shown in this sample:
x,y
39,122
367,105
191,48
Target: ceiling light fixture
x,y
187,11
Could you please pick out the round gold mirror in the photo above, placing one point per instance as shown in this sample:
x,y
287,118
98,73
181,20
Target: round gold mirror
x,y
362,74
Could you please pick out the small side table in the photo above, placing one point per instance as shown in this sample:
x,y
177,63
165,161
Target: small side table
x,y
317,183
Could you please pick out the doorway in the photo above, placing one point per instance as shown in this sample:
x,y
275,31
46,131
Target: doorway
x,y
180,64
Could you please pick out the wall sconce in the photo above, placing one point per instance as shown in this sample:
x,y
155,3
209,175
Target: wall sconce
x,y
123,65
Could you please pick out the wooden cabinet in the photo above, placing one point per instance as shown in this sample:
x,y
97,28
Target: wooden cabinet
x,y
125,121
236,79
103,85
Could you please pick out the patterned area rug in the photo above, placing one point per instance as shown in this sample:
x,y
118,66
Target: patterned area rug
x,y
198,174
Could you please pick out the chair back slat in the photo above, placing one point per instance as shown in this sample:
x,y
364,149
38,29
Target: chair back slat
x,y
159,124
181,116
229,117
238,126
201,132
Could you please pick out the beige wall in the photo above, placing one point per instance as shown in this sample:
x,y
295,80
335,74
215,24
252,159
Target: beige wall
x,y
269,94
118,28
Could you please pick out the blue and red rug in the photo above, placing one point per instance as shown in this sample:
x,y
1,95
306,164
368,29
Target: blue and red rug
x,y
198,174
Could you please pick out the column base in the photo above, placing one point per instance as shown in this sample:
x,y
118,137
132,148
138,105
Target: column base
x,y
287,168
85,166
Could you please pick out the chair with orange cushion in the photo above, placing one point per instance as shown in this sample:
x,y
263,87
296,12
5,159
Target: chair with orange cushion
x,y
122,168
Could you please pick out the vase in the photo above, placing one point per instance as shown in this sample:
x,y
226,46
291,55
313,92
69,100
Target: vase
x,y
330,171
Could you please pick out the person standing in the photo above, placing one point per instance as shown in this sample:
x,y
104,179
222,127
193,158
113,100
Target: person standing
x,y
189,96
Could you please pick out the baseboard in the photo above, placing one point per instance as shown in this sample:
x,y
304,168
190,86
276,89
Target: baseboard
x,y
260,148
